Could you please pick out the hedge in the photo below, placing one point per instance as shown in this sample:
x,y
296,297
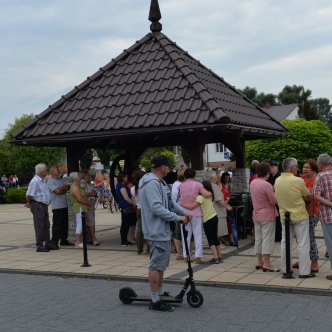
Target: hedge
x,y
15,195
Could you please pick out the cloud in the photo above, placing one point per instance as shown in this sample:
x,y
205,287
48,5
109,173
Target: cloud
x,y
309,68
48,47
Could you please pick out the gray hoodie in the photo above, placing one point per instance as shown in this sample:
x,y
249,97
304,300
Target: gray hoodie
x,y
156,216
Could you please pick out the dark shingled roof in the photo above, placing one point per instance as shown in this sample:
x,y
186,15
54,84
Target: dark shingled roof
x,y
281,112
153,85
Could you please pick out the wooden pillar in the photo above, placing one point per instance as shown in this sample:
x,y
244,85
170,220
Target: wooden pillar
x,y
74,153
131,159
241,155
236,143
196,150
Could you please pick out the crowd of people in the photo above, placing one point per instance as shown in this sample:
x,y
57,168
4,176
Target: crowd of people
x,y
152,212
10,181
206,203
308,200
44,190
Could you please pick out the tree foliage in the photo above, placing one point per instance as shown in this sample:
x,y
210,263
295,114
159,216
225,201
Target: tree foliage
x,y
309,109
323,108
305,140
260,99
106,155
297,94
145,159
20,160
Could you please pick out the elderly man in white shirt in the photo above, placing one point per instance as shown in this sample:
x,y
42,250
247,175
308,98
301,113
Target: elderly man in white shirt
x,y
38,198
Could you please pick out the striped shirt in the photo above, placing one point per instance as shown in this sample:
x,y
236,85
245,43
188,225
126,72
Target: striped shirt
x,y
39,191
323,188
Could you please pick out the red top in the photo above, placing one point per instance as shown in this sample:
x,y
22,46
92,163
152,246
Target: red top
x,y
310,184
225,192
253,177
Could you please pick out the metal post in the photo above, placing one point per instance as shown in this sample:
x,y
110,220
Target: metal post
x,y
289,272
185,236
85,247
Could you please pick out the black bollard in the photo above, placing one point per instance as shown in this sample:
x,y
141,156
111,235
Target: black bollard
x,y
185,236
85,245
289,272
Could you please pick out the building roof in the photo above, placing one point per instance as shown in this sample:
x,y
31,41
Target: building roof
x,y
152,86
281,112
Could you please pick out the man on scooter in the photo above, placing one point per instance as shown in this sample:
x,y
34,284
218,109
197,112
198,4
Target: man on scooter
x,y
158,213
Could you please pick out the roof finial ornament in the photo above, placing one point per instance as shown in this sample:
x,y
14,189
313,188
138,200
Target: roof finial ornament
x,y
155,16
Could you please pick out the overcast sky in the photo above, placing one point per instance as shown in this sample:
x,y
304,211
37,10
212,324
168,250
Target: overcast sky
x,y
49,46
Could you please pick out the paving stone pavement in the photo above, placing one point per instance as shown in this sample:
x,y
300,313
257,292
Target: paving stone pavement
x,y
111,261
47,303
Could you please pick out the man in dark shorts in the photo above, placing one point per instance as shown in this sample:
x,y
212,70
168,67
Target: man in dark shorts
x,y
156,221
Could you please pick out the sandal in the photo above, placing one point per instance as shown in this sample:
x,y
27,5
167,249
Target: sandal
x,y
214,261
258,267
295,265
265,269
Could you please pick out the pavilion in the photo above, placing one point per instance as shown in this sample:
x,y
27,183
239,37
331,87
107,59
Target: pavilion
x,y
153,94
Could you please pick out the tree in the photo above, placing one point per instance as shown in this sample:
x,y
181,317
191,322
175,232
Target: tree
x,y
304,140
260,99
268,99
296,94
323,108
309,109
291,94
106,155
20,160
250,93
145,159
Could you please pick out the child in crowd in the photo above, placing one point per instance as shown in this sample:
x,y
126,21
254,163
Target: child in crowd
x,y
210,221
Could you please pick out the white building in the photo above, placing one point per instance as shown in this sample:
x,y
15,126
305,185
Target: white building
x,y
216,155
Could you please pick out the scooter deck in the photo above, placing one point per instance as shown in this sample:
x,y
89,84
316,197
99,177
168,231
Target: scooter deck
x,y
168,299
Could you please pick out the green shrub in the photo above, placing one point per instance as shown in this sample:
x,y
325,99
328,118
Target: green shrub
x,y
145,159
15,195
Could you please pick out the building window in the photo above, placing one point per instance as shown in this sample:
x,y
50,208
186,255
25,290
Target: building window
x,y
219,147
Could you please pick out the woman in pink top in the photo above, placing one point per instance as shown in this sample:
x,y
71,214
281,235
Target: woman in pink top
x,y
189,190
264,216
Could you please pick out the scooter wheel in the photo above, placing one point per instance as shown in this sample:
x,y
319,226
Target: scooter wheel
x,y
126,295
195,299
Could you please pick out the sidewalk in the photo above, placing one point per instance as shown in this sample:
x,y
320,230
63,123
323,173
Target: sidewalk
x,y
111,261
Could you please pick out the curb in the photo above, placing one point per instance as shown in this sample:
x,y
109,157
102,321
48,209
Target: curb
x,y
249,287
